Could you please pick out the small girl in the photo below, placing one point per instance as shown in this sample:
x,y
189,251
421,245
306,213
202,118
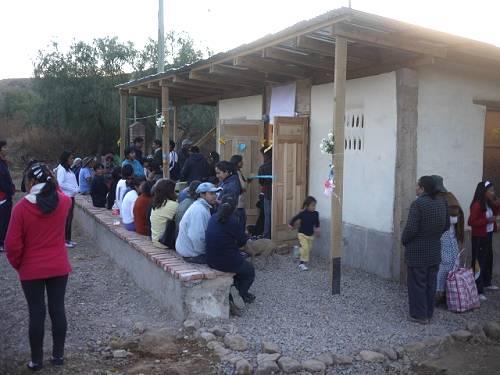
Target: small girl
x,y
309,226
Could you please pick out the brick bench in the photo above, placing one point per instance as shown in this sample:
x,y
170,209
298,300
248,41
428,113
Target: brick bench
x,y
183,289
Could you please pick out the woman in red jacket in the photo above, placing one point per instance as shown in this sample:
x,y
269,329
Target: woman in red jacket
x,y
35,247
482,219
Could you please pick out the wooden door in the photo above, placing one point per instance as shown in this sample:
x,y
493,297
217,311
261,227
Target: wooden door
x,y
491,162
244,137
290,150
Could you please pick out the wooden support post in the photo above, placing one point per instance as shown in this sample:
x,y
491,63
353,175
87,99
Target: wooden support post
x,y
123,123
174,129
164,131
338,160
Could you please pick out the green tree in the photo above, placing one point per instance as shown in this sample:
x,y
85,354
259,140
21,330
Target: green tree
x,y
20,103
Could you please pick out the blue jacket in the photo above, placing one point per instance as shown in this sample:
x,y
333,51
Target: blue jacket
x,y
231,186
223,241
138,168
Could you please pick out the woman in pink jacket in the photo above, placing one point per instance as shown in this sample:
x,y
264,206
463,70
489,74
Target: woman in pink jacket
x,y
35,247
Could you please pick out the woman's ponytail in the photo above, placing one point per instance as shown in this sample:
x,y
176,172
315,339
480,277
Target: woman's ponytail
x,y
47,198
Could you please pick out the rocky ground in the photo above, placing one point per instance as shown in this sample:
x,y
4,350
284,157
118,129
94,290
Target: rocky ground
x,y
114,327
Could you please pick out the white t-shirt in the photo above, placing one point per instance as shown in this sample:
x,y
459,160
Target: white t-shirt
x,y
67,181
489,214
127,210
121,188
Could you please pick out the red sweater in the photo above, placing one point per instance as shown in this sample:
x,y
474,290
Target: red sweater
x,y
478,221
141,211
35,244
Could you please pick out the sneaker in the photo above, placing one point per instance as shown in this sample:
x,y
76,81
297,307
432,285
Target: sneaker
x,y
2,249
236,298
69,245
73,243
34,366
249,298
491,287
303,267
234,311
57,361
418,320
482,297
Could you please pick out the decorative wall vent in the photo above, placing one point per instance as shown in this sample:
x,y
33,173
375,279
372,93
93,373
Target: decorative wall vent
x,y
354,131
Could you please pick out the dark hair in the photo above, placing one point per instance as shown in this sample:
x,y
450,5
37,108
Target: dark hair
x,y
235,160
3,144
213,180
192,188
47,199
157,142
128,151
214,155
25,173
98,166
308,201
225,166
164,191
138,139
63,159
116,174
127,171
135,182
226,209
480,194
429,185
171,143
195,149
146,188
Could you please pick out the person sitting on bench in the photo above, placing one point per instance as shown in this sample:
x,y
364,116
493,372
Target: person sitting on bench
x,y
190,243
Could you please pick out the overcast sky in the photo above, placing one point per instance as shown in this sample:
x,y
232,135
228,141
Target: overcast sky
x,y
29,25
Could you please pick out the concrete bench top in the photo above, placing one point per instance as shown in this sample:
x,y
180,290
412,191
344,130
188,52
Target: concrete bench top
x,y
166,259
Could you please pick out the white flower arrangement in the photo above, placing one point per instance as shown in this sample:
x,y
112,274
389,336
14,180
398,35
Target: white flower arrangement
x,y
160,121
327,145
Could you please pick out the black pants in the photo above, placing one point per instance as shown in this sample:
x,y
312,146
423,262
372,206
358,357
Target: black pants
x,y
5,211
422,282
34,291
199,259
243,280
482,251
69,220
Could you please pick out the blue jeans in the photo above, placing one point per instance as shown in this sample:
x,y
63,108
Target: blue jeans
x,y
267,218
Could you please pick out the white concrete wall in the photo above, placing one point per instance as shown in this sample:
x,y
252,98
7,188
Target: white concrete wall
x,y
368,175
451,128
248,108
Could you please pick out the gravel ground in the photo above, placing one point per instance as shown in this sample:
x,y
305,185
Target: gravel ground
x,y
101,301
297,311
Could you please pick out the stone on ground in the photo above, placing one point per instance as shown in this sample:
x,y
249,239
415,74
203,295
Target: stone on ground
x,y
313,365
232,358
343,360
270,347
492,330
120,353
191,325
415,347
371,356
461,335
267,368
213,344
289,365
139,328
158,343
207,337
265,357
236,342
217,331
389,353
326,358
243,367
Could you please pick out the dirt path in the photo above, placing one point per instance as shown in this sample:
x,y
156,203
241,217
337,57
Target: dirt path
x,y
102,303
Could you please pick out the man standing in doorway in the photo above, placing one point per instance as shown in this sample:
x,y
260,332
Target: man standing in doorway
x,y
184,152
266,183
157,152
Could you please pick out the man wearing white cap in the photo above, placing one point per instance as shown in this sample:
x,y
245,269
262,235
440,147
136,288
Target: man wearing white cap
x,y
184,152
190,243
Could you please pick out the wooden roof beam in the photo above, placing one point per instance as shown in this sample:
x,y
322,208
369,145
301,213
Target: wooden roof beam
x,y
297,59
149,94
215,85
389,40
245,75
204,77
269,66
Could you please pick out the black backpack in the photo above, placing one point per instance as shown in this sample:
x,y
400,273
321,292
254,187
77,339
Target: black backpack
x,y
168,237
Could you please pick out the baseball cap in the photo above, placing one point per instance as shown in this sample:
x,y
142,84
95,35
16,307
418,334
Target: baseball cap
x,y
186,142
207,187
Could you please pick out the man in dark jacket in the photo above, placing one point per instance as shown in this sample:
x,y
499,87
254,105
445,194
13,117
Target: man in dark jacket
x,y
7,191
266,169
195,168
137,147
428,219
184,152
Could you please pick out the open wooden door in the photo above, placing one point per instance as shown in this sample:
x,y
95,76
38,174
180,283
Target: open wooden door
x,y
244,137
290,150
491,162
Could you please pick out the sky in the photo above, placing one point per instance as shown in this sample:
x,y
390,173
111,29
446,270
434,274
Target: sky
x,y
27,26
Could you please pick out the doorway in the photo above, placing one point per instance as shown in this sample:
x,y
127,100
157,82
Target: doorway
x,y
491,161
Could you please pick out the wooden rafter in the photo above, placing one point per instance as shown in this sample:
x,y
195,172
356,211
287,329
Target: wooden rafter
x,y
245,75
205,77
269,66
188,82
379,38
150,94
299,59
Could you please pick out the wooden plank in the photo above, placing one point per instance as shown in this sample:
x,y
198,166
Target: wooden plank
x,y
188,82
205,77
489,104
352,32
245,74
338,161
295,58
136,92
315,45
123,123
303,97
164,131
270,66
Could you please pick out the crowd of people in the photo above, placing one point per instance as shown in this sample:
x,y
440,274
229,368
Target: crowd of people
x,y
206,224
